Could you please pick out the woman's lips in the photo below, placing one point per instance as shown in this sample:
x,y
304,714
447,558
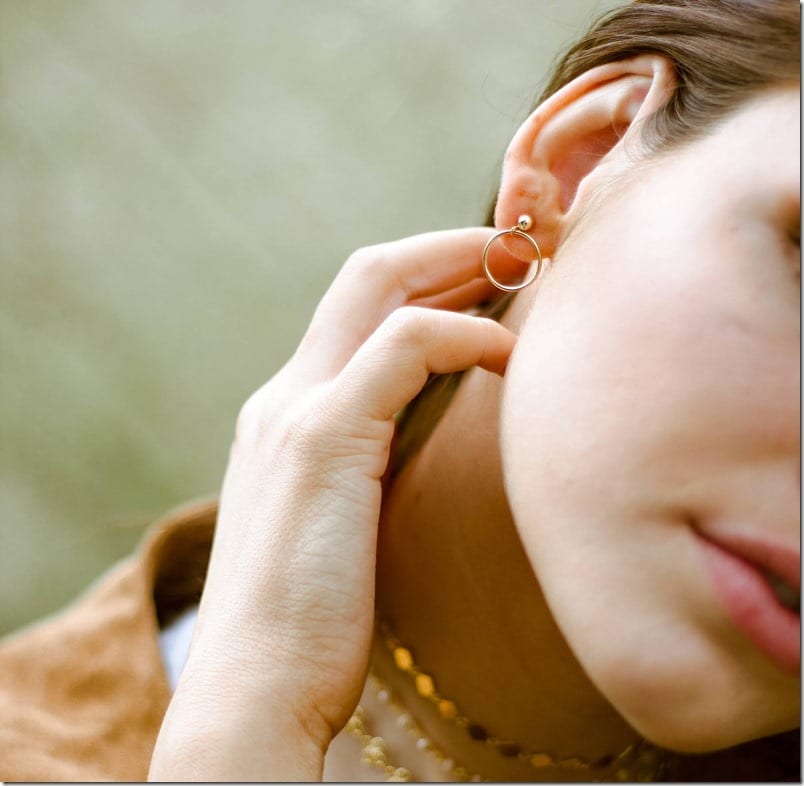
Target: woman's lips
x,y
750,601
783,562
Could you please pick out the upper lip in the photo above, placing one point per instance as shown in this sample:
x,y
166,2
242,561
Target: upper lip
x,y
782,561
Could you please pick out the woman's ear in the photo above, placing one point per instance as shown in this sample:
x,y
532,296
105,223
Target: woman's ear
x,y
578,136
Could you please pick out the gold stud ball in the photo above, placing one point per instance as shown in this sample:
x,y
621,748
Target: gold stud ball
x,y
524,222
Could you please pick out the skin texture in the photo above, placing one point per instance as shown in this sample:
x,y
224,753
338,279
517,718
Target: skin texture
x,y
653,391
276,667
654,394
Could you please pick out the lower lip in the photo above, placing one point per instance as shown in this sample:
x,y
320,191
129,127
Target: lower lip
x,y
754,608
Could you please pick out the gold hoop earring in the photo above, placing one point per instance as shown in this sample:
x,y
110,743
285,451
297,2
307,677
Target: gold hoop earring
x,y
519,230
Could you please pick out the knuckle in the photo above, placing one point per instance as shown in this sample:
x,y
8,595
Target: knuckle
x,y
293,436
262,411
372,264
305,428
409,323
415,328
364,259
302,435
250,419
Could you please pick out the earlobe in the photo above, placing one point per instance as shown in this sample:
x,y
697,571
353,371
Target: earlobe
x,y
581,133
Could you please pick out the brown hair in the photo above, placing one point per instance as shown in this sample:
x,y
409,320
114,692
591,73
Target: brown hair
x,y
724,52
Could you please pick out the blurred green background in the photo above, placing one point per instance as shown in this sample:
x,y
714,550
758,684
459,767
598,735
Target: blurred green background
x,y
179,181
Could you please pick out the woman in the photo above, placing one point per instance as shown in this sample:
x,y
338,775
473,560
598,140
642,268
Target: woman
x,y
640,458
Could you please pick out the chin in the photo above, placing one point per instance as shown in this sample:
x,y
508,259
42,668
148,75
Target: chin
x,y
692,731
696,707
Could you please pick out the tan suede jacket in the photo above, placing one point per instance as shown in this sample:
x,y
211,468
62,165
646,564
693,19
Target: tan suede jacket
x,y
82,694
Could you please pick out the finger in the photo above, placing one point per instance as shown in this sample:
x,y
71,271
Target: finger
x,y
391,367
377,280
475,292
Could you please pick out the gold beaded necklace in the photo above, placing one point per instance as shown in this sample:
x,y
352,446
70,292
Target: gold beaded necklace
x,y
375,749
639,761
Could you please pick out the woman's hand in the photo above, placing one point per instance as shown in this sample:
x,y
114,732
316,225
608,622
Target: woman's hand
x,y
280,651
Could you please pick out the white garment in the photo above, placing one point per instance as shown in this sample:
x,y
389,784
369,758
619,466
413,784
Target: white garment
x,y
174,643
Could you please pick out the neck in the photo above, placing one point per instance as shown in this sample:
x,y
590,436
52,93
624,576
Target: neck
x,y
455,586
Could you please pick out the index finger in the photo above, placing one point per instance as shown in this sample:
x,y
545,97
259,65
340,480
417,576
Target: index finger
x,y
377,280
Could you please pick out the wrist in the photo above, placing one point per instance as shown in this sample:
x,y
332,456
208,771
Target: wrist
x,y
214,732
